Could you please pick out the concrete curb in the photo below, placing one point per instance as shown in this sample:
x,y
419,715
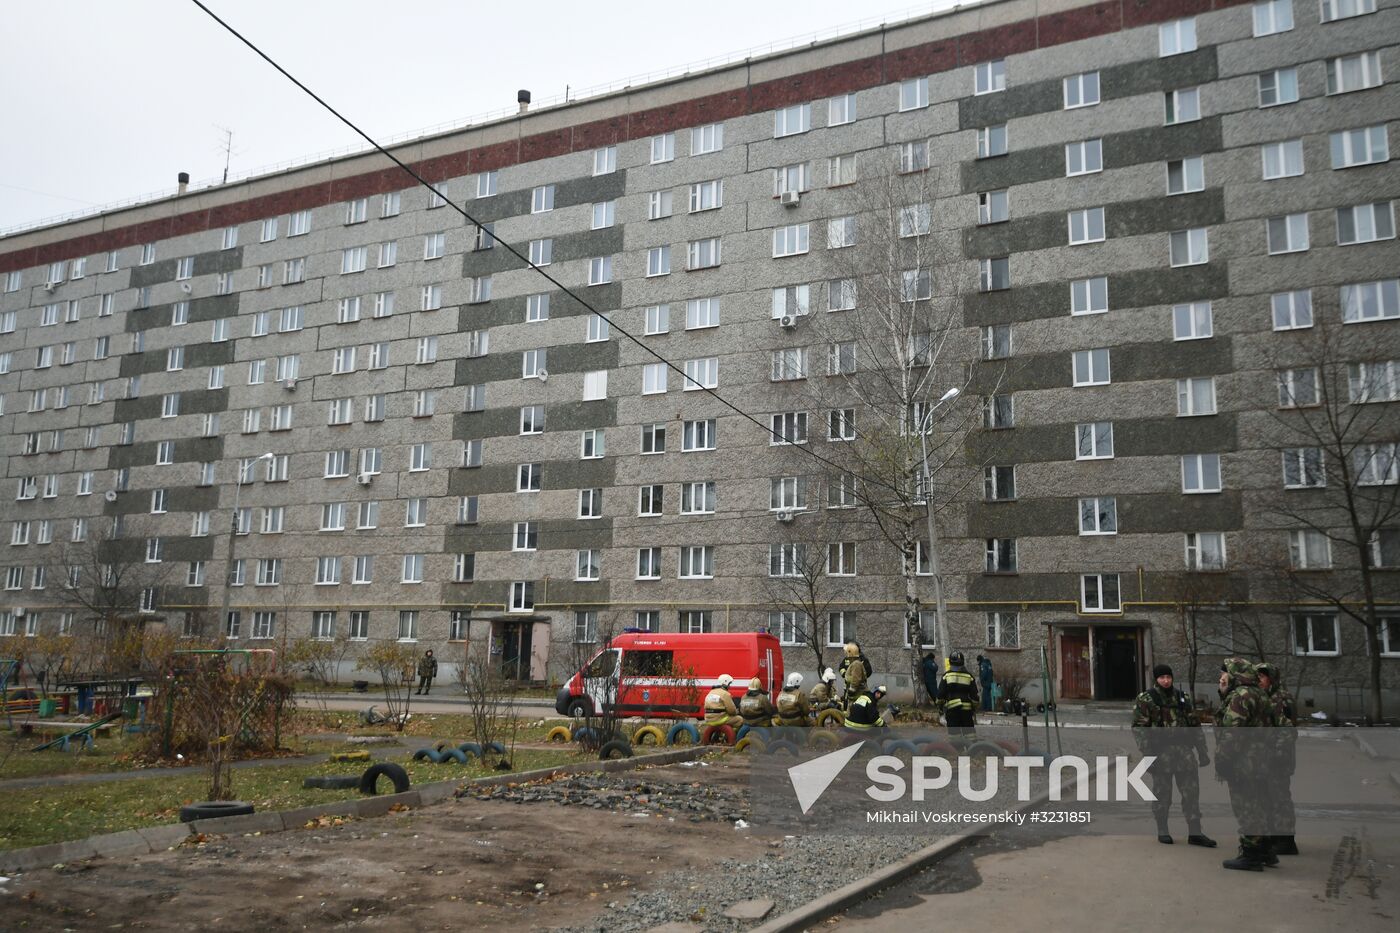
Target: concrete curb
x,y
828,905
150,839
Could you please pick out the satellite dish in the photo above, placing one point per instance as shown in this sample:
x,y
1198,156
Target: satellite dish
x,y
110,495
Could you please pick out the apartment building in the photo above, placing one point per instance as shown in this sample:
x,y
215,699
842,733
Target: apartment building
x,y
1164,209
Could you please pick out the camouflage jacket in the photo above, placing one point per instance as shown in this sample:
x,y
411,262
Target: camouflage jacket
x,y
1157,716
1286,734
1240,752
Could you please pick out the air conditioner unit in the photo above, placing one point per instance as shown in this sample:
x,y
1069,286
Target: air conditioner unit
x,y
790,198
50,286
788,321
364,479
186,288
21,612
786,515
289,384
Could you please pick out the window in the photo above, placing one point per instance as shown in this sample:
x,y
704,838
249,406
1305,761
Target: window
x,y
989,77
791,301
604,215
841,109
703,254
1283,159
1196,397
913,94
702,374
1287,234
1385,547
1353,72
1091,367
1081,90
659,261
1309,549
697,498
600,267
649,500
840,628
992,207
697,562
1343,9
991,141
1089,296
408,621
1365,223
1099,592
653,438
436,198
1278,87
994,274
528,477
412,568
1200,473
841,170
1316,633
787,493
1376,464
484,238
532,419
789,121
791,240
1292,310
1001,555
998,411
786,560
1370,301
486,184
788,364
1366,146
1003,630
663,148
1189,247
1192,321
590,503
1094,440
1297,388
477,343
1186,175
840,232
1272,16
1183,106
840,424
698,435
293,270
1374,382
1205,550
1098,516
1086,226
1084,158
913,156
148,253
604,160
1303,468
595,385
1177,37
589,565
526,537
658,205
542,199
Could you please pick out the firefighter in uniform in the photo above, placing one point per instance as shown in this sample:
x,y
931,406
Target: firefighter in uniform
x,y
863,714
755,707
719,705
957,693
855,670
793,708
824,692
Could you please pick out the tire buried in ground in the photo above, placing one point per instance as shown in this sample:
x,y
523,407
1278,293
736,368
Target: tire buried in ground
x,y
784,746
453,754
683,728
830,719
428,754
395,773
717,735
213,809
470,748
615,748
823,738
560,734
751,744
643,733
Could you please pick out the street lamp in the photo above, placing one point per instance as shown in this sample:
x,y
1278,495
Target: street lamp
x,y
233,531
941,608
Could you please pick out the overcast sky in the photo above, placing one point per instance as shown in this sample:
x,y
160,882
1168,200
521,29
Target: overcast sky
x,y
107,100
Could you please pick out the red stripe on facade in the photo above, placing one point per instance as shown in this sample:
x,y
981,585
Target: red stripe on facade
x,y
1027,35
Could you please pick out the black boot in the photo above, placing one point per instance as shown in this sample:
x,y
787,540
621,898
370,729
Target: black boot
x,y
1164,836
1267,854
1247,860
1198,838
1285,845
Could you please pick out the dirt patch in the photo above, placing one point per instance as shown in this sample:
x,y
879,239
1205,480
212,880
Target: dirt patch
x,y
467,863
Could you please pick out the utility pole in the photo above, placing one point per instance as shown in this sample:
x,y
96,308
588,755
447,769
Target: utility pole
x,y
944,643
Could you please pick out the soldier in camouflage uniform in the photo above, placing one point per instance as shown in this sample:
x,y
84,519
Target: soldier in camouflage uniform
x,y
1285,752
1166,726
1241,760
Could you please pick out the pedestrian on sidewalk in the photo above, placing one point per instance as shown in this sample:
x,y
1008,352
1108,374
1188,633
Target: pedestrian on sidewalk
x,y
427,670
1284,754
1166,727
987,678
1241,760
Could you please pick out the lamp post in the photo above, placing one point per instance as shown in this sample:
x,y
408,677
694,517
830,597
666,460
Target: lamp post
x,y
233,532
941,608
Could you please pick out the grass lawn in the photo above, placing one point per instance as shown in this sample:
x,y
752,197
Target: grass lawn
x,y
310,720
38,816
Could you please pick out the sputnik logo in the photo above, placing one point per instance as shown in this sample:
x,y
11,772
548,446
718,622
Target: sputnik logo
x,y
811,778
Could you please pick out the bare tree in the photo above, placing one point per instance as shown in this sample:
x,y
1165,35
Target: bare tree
x,y
896,396
393,661
799,586
491,702
1337,430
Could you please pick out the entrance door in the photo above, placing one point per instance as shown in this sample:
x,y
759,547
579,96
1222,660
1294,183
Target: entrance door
x,y
1075,681
515,650
1118,666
